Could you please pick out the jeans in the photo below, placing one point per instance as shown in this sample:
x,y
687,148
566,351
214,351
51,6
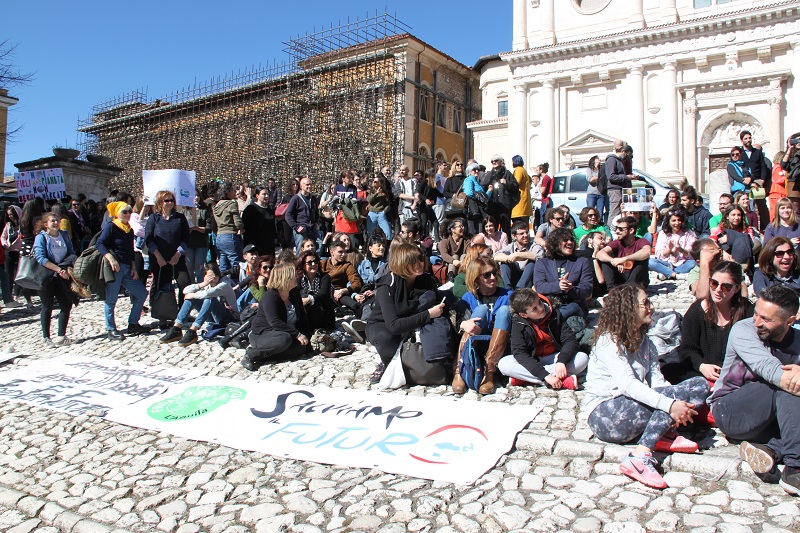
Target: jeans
x,y
509,366
662,266
438,213
206,307
195,258
58,289
515,277
229,248
308,233
5,283
502,318
570,309
245,299
598,201
134,287
379,219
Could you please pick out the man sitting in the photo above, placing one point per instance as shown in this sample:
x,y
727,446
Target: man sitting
x,y
562,276
344,278
697,216
757,396
624,260
517,260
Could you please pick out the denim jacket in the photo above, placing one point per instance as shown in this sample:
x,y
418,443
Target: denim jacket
x,y
41,247
368,275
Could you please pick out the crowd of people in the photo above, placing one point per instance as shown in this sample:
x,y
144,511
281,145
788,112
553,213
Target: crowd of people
x,y
439,258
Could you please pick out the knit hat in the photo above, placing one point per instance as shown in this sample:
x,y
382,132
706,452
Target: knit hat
x,y
115,207
471,167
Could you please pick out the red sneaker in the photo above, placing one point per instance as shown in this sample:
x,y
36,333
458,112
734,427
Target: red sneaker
x,y
570,382
672,443
519,383
642,468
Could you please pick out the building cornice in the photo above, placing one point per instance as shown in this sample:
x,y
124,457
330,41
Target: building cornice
x,y
711,26
487,124
741,78
8,101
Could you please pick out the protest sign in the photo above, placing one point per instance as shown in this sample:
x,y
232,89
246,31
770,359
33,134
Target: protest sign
x,y
438,438
78,384
637,199
181,183
47,184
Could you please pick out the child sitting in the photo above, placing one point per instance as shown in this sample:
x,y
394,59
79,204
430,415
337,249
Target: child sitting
x,y
543,348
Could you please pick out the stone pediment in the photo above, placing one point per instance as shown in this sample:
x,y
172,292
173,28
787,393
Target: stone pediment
x,y
589,140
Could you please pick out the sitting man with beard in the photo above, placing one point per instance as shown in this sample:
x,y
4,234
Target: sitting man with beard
x,y
562,276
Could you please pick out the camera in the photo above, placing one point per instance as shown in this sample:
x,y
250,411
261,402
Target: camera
x,y
794,141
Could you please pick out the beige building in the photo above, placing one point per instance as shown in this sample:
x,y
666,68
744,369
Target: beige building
x,y
677,79
5,102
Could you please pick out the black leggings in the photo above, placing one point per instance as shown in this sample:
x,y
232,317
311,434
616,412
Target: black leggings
x,y
57,289
272,344
383,340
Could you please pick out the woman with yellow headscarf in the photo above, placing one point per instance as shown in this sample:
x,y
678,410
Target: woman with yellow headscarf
x,y
115,243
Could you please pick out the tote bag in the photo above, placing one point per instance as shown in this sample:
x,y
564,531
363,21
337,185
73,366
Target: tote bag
x,y
31,275
164,306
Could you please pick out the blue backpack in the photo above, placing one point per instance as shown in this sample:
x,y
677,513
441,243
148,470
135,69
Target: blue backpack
x,y
471,365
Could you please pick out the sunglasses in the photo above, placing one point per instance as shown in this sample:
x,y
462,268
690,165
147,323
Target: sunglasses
x,y
647,304
620,229
169,200
560,219
126,212
725,287
591,215
414,259
312,262
781,253
489,275
735,154
266,267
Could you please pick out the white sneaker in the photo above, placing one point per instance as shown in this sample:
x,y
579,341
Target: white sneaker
x,y
62,341
13,304
353,332
682,276
48,343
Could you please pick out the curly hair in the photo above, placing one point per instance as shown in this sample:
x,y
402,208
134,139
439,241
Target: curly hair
x,y
679,212
615,317
554,240
269,259
583,216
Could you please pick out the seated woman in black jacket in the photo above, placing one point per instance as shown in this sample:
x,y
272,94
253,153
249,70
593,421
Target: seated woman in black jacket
x,y
280,327
397,298
316,292
563,277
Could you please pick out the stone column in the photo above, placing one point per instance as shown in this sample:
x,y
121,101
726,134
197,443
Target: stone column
x,y
5,102
669,109
690,139
636,16
636,102
548,31
774,130
520,41
517,121
793,101
547,127
669,13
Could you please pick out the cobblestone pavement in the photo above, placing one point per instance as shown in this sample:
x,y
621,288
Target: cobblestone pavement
x,y
83,474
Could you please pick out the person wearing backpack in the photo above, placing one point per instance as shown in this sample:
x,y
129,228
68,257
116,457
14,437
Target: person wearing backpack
x,y
618,179
598,185
503,191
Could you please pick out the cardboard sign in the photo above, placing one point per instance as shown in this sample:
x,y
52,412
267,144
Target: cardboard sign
x,y
47,184
181,183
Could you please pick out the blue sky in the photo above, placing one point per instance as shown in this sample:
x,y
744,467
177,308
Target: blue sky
x,y
83,53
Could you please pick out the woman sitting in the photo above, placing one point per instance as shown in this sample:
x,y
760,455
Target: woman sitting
x,y
492,235
626,395
485,310
460,281
280,327
563,277
375,262
213,298
453,246
673,246
735,237
257,282
316,292
779,264
742,199
590,218
543,348
398,304
785,223
672,201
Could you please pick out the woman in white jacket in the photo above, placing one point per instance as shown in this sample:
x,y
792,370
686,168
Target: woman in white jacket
x,y
626,395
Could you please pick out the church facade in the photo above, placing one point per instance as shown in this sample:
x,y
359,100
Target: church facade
x,y
676,79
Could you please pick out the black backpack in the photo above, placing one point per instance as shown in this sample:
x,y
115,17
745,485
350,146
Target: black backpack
x,y
602,180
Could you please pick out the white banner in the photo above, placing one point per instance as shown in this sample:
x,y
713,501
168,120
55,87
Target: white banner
x,y
438,438
48,184
78,384
637,199
181,183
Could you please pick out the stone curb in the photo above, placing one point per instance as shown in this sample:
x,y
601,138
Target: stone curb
x,y
52,514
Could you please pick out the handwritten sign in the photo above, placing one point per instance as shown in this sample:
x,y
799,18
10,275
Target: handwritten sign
x,y
444,439
181,183
47,184
79,385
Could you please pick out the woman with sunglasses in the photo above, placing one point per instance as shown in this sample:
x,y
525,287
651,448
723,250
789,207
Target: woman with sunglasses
x,y
486,312
477,200
315,291
738,174
455,181
258,279
403,301
474,251
779,263
785,223
115,243
673,247
707,324
627,397
591,222
166,236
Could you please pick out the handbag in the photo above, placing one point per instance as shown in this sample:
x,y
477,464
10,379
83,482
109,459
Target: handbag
x,y
418,371
758,194
164,306
280,211
31,275
459,200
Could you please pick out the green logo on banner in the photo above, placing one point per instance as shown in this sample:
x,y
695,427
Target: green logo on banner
x,y
194,402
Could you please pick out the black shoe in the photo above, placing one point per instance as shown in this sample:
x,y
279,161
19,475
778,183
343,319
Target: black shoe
x,y
137,329
762,459
342,311
790,480
189,338
114,335
173,334
164,325
376,376
249,364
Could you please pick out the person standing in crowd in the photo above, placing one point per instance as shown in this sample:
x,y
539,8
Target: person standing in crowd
x,y
53,250
785,223
561,276
398,310
778,184
138,222
625,259
11,240
476,208
545,187
517,260
757,396
673,245
78,223
302,214
197,245
697,216
166,236
406,192
759,172
327,213
617,178
503,190
347,192
63,219
456,180
292,188
523,211
442,171
427,196
229,227
258,220
594,197
626,394
379,209
280,327
115,243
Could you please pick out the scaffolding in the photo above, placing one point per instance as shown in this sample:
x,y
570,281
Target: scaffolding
x,y
336,103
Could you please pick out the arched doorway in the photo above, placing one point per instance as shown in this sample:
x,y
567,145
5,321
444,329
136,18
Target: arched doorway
x,y
720,135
